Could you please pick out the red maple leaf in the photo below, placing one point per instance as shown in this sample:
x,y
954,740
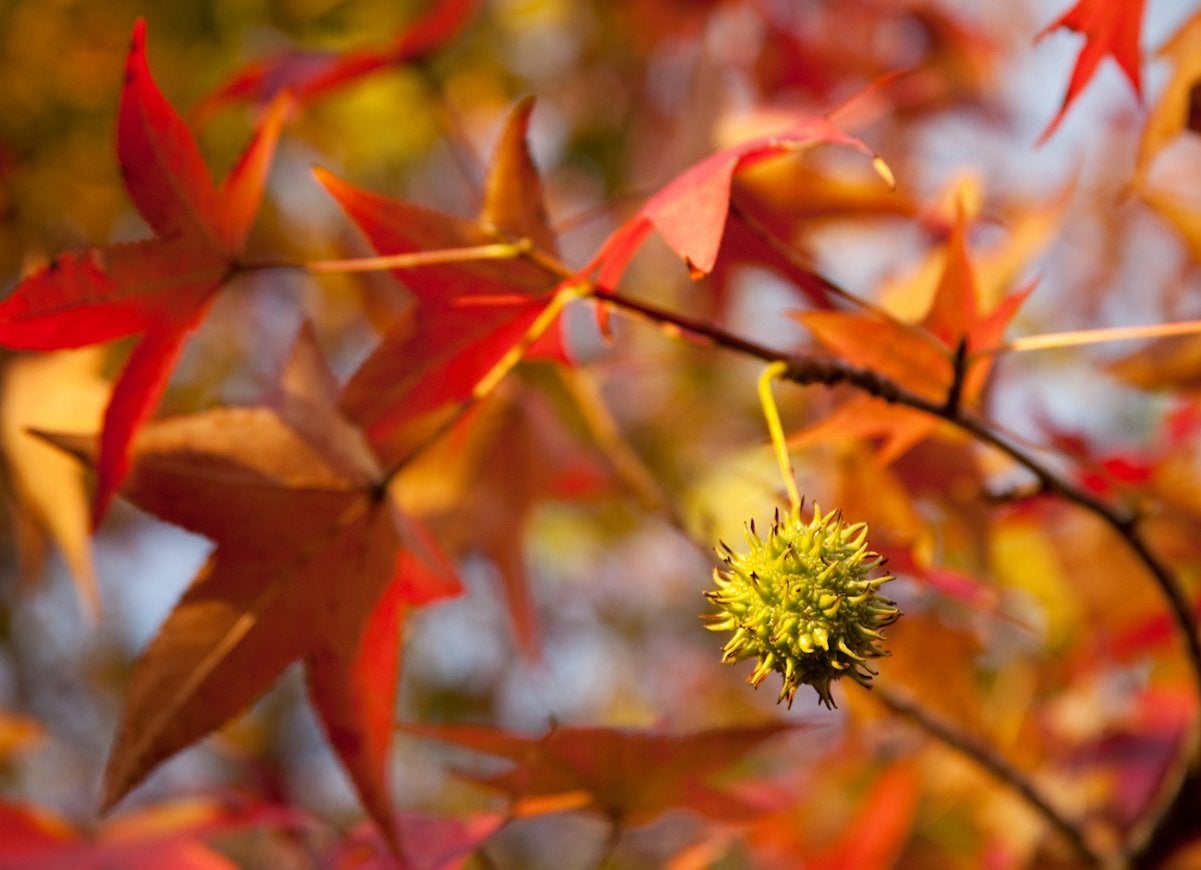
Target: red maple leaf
x,y
690,211
314,561
469,314
1110,27
469,317
161,287
308,75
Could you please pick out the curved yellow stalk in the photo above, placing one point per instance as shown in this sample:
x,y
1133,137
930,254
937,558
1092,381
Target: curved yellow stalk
x,y
776,430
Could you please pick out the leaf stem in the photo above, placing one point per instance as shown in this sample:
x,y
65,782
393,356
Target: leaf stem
x,y
959,375
508,250
772,413
536,330
492,251
1075,338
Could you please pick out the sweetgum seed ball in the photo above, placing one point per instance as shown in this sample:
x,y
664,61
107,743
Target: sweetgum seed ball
x,y
802,602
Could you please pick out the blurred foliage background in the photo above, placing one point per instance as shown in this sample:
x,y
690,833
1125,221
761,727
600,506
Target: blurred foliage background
x,y
629,93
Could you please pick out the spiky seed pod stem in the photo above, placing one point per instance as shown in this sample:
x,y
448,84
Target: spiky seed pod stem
x,y
802,602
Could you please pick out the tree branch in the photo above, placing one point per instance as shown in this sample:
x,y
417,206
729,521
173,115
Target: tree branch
x,y
997,766
804,370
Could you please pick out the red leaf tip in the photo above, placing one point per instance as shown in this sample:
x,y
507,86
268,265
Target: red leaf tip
x,y
137,41
135,62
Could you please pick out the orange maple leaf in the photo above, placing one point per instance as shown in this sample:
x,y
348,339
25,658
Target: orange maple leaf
x,y
918,357
1171,115
627,776
314,561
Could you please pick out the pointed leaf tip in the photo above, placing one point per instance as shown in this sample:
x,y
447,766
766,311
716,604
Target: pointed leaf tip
x,y
136,65
514,200
161,164
884,171
323,175
1110,29
135,56
135,394
242,190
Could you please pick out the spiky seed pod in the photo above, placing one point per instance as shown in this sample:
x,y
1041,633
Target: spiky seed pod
x,y
803,603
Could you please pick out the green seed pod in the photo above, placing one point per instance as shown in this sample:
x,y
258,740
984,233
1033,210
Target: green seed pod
x,y
802,603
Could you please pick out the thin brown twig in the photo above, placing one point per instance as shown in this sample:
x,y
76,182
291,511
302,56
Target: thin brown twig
x,y
999,767
958,378
808,370
804,370
985,756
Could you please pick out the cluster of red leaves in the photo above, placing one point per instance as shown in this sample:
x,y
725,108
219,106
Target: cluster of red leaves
x,y
297,493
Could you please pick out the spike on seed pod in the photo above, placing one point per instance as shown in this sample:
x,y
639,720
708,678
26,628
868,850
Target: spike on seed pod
x,y
801,603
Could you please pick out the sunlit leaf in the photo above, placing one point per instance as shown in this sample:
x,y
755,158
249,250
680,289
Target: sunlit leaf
x,y
160,288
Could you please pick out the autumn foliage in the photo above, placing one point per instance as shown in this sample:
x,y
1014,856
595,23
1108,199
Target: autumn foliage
x,y
444,392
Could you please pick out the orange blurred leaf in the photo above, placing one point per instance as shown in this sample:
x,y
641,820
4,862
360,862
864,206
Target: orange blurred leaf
x,y
881,826
511,454
627,776
312,563
165,835
1166,364
917,356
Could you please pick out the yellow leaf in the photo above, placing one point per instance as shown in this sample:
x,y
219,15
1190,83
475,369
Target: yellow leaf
x,y
58,392
1168,118
1168,364
1023,558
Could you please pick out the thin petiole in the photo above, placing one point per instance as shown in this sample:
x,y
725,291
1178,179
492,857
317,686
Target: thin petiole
x,y
772,413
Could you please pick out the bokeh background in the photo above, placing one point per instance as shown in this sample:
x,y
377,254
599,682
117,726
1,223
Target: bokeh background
x,y
629,93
